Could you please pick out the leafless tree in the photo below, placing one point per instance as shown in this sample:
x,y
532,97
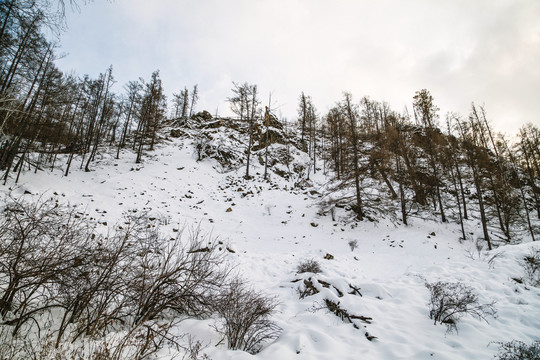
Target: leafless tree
x,y
194,99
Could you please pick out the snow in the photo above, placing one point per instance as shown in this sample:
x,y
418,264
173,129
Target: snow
x,y
270,231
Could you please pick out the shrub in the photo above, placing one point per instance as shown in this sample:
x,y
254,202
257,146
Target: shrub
x,y
132,281
310,265
41,243
246,318
171,275
450,301
194,350
517,350
531,265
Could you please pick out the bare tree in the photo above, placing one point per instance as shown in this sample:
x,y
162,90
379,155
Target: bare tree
x,y
426,111
303,114
351,113
178,105
245,103
194,99
185,102
152,114
476,156
100,113
529,141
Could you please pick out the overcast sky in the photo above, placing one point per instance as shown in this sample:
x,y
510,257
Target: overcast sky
x,y
486,51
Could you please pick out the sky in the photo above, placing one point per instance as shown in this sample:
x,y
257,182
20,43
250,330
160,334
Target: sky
x,y
462,51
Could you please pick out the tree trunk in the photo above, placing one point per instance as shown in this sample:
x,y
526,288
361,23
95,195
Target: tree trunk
x,y
460,181
401,190
483,218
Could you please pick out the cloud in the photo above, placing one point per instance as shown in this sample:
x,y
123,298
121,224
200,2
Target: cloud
x,y
462,51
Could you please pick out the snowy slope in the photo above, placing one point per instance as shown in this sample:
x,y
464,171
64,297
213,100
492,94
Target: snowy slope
x,y
271,230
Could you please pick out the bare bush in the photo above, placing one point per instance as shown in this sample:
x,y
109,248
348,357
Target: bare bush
x,y
93,293
450,301
518,350
246,318
40,243
170,275
193,350
309,266
531,265
138,342
61,282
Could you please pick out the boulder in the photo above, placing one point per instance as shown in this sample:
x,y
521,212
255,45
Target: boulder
x,y
203,115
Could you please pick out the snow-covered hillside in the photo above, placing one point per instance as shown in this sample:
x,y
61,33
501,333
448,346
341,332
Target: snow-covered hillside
x,y
269,228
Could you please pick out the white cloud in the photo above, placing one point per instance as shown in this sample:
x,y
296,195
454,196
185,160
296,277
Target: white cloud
x,y
462,51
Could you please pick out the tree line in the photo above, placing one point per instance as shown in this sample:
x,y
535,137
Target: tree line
x,y
456,164
423,160
46,112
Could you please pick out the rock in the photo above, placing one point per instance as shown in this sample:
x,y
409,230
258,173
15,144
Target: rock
x,y
176,133
213,125
274,122
274,136
370,337
204,115
329,257
228,210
